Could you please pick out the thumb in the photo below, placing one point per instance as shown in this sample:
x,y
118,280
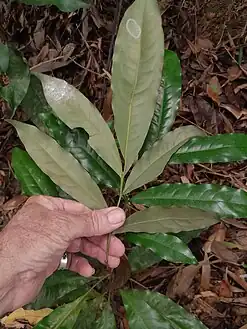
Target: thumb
x,y
99,222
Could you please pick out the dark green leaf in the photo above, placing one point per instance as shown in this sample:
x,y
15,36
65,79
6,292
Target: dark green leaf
x,y
64,5
168,247
57,289
223,200
4,58
106,320
74,141
212,149
33,180
18,80
168,100
140,258
186,237
151,310
72,315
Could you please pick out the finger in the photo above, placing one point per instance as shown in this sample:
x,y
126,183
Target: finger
x,y
116,247
74,245
81,265
94,223
90,249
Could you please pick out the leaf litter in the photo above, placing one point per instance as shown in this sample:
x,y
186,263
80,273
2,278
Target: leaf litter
x,y
210,46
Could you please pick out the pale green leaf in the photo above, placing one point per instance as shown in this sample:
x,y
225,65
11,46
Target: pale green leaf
x,y
59,165
64,5
106,320
75,110
168,220
136,75
155,159
151,310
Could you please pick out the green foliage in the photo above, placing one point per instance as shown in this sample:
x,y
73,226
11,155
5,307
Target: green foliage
x,y
74,141
166,246
149,310
64,5
73,152
4,58
168,100
33,180
222,200
15,86
212,149
58,288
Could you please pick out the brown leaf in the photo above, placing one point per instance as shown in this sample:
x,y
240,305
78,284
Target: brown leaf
x,y
234,72
225,289
182,281
32,317
206,274
14,203
205,44
243,86
107,106
244,327
235,111
214,89
223,253
238,279
236,223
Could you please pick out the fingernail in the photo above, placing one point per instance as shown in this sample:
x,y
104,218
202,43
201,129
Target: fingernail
x,y
116,216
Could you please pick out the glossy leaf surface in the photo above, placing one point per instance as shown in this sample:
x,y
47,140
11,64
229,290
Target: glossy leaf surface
x,y
149,310
75,110
4,58
74,141
106,320
33,180
222,200
168,220
64,5
57,287
140,258
154,160
136,75
166,246
60,166
168,100
72,315
15,87
213,149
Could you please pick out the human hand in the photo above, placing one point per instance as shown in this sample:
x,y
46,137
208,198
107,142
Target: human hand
x,y
33,243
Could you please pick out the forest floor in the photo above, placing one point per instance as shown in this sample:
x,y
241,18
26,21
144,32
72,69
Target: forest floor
x,y
210,37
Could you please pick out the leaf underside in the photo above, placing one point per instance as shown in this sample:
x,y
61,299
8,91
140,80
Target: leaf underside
x,y
76,111
74,141
167,102
152,163
213,149
4,58
136,74
60,166
168,220
222,200
149,310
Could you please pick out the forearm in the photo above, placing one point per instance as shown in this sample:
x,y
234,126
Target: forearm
x,y
6,276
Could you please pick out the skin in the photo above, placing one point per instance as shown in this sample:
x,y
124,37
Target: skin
x,y
34,241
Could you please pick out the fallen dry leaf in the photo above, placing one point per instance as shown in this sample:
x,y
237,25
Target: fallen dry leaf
x,y
214,89
14,203
244,327
238,279
32,317
234,73
236,223
206,274
182,281
205,44
243,86
223,253
225,289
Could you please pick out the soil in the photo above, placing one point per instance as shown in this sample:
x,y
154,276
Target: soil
x,y
210,37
